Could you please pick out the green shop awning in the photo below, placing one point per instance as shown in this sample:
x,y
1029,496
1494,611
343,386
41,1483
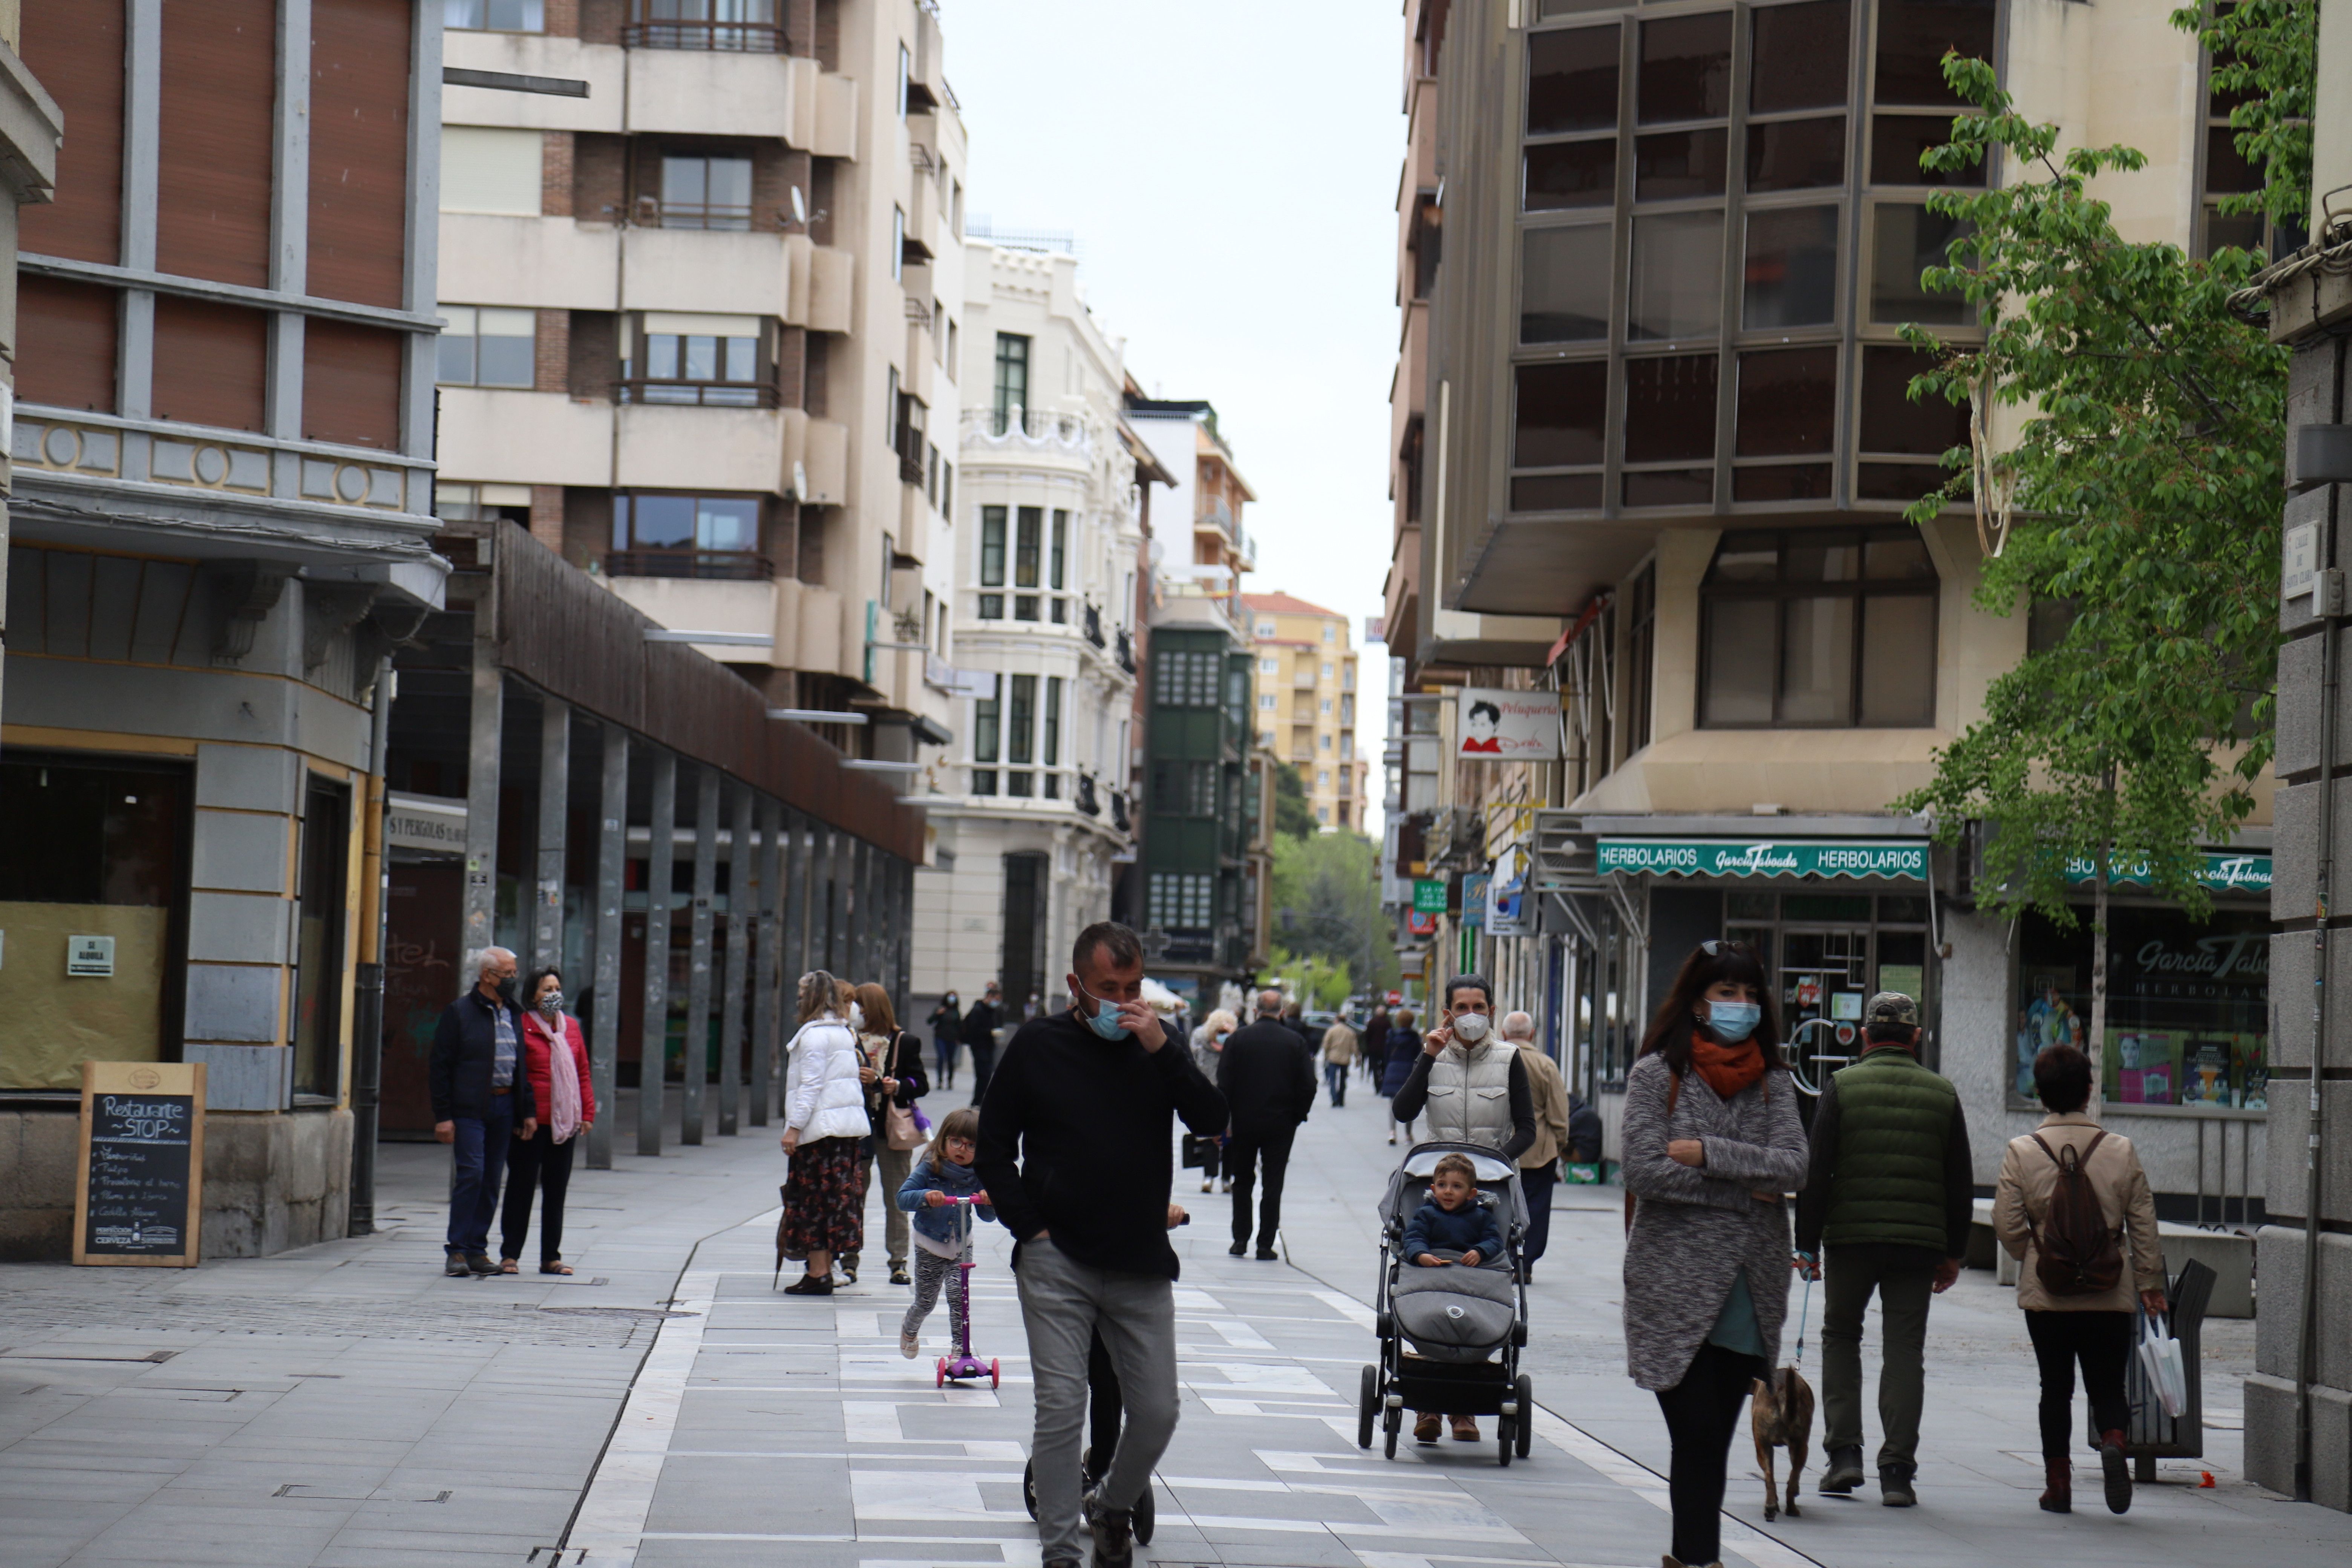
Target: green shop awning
x,y
2223,873
1765,858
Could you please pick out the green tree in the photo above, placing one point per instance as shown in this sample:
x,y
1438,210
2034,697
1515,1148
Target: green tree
x,y
2141,501
1292,814
1316,982
2266,66
1326,906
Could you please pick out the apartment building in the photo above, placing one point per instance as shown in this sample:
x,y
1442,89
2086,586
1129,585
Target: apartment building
x,y
1303,696
1666,449
222,472
1031,830
702,327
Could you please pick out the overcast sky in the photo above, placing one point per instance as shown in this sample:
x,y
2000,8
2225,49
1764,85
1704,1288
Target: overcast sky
x,y
1229,168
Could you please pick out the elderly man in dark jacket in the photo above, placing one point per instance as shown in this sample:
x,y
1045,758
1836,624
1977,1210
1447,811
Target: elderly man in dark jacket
x,y
1267,1077
481,1100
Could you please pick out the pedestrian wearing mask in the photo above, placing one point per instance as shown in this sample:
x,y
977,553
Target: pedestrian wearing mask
x,y
555,1057
1473,1086
481,1103
824,1121
980,1027
1208,1043
2069,1192
1402,1043
1712,1144
947,1038
1075,1154
891,1069
1888,1202
1373,1044
1339,1059
1267,1077
1539,1164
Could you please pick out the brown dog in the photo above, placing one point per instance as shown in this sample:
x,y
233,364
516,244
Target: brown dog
x,y
1781,1413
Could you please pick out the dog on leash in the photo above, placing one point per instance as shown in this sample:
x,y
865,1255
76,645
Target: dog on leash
x,y
1781,1414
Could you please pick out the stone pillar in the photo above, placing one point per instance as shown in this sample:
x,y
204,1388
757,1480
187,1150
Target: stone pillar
x,y
743,908
612,861
654,1032
487,721
546,924
795,889
864,923
697,963
768,969
822,902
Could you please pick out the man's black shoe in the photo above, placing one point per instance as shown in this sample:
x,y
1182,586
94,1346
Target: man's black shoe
x,y
1238,1247
1268,1255
1844,1475
1895,1487
456,1267
480,1262
1113,1531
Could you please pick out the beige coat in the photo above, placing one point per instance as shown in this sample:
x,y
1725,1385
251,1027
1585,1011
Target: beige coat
x,y
2027,1178
1550,1093
1339,1044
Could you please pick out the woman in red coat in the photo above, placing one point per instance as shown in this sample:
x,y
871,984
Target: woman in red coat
x,y
557,1060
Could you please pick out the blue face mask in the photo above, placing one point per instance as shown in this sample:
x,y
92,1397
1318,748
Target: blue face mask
x,y
1105,1019
1733,1021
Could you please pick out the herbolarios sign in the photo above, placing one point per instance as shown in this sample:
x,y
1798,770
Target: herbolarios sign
x,y
1508,726
1764,857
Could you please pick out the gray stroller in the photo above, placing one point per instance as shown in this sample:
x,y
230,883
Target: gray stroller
x,y
1450,1338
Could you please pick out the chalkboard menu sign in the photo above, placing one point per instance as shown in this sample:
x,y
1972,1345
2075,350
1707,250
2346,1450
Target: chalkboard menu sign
x,y
140,1199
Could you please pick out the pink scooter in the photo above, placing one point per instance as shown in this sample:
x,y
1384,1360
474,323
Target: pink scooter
x,y
963,1363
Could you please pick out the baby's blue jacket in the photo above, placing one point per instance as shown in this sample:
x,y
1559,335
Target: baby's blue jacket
x,y
1471,1225
941,1224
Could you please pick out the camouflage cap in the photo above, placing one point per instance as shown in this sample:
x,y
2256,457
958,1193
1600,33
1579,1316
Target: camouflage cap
x,y
1892,1007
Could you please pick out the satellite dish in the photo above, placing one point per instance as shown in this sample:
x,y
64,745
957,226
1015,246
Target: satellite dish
x,y
800,207
800,481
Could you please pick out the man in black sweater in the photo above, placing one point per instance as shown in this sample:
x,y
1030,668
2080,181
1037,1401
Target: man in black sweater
x,y
980,1027
1073,1152
1268,1076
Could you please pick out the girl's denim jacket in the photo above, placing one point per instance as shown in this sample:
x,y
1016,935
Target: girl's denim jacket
x,y
932,1172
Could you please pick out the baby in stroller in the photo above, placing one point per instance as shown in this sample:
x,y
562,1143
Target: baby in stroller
x,y
1455,1220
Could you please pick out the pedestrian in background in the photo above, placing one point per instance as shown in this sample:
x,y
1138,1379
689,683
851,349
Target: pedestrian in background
x,y
1712,1145
1886,1208
1539,1164
1403,1047
1294,1018
1372,1054
1338,1058
481,1104
2076,1282
980,1027
1473,1086
1267,1077
1208,1046
891,1069
824,1118
947,1038
555,1059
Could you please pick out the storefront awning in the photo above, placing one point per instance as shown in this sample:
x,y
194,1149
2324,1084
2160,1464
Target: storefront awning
x,y
2221,873
1765,858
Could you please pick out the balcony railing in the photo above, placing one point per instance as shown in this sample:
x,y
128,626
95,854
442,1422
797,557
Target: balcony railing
x,y
1126,653
721,565
1094,626
698,394
723,217
1118,811
729,27
1085,797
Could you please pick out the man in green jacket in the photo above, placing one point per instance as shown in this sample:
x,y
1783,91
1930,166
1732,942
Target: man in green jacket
x,y
1888,1201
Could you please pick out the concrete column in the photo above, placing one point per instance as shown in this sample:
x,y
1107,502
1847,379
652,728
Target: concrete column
x,y
864,911
742,907
488,723
612,859
796,890
903,936
767,970
546,924
821,899
654,1032
840,866
698,967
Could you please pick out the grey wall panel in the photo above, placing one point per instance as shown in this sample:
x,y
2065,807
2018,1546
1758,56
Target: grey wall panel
x,y
246,778
233,1003
240,851
237,928
246,1077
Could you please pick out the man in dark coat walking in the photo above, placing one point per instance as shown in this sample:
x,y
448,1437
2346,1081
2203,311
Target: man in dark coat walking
x,y
481,1101
1267,1077
980,1027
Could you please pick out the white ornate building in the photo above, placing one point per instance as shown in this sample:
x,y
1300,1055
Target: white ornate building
x,y
1035,813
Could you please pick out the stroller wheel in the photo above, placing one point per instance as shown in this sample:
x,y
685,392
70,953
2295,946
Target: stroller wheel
x,y
991,1373
1147,1516
1527,1423
1029,1489
1367,1405
1394,1425
1503,1441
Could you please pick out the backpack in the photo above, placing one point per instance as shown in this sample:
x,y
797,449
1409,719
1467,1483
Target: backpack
x,y
2075,1253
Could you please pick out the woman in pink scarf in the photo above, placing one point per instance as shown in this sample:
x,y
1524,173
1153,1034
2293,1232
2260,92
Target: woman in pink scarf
x,y
557,1060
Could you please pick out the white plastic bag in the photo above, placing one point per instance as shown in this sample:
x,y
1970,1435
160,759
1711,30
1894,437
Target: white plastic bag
x,y
2159,1358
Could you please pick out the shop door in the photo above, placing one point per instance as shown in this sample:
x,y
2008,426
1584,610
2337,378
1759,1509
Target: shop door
x,y
1825,975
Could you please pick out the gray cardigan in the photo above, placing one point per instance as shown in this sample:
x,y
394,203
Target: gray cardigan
x,y
1694,1228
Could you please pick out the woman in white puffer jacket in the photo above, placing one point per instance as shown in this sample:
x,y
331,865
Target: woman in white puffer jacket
x,y
825,1118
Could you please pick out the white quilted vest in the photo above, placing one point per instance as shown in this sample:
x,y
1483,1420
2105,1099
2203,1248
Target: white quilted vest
x,y
1470,1094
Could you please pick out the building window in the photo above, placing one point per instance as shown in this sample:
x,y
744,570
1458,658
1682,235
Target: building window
x,y
1327,705
730,27
1641,638
1012,377
1902,440
495,16
711,360
1020,730
991,561
1265,628
1269,667
656,535
898,243
1323,778
1323,741
1053,722
1183,788
906,71
1182,900
703,191
1184,678
985,729
1786,619
482,345
1265,701
1059,551
1327,673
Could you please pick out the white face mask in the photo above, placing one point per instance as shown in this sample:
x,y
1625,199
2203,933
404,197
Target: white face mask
x,y
856,1017
1470,1028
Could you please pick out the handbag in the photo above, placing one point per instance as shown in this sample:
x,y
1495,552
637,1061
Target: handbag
x,y
1199,1151
898,1129
2159,1359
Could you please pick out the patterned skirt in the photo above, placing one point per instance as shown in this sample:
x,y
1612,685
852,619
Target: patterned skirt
x,y
825,1205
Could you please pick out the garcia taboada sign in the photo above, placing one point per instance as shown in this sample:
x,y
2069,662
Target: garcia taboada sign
x,y
2223,873
1765,857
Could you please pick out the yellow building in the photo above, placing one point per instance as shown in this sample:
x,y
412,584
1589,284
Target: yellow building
x,y
1304,693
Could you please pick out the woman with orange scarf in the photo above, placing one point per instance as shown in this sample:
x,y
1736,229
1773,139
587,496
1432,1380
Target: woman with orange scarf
x,y
1712,1146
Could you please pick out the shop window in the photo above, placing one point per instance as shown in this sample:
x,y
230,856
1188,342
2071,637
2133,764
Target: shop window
x,y
702,192
1685,69
1791,268
1561,175
1914,37
1818,630
2187,1003
1800,55
1670,408
656,535
318,941
1905,240
1562,412
481,345
89,851
1676,285
1564,278
1796,154
1671,165
1571,80
1788,402
1898,140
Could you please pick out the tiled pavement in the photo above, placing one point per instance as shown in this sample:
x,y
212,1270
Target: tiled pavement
x,y
344,1406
